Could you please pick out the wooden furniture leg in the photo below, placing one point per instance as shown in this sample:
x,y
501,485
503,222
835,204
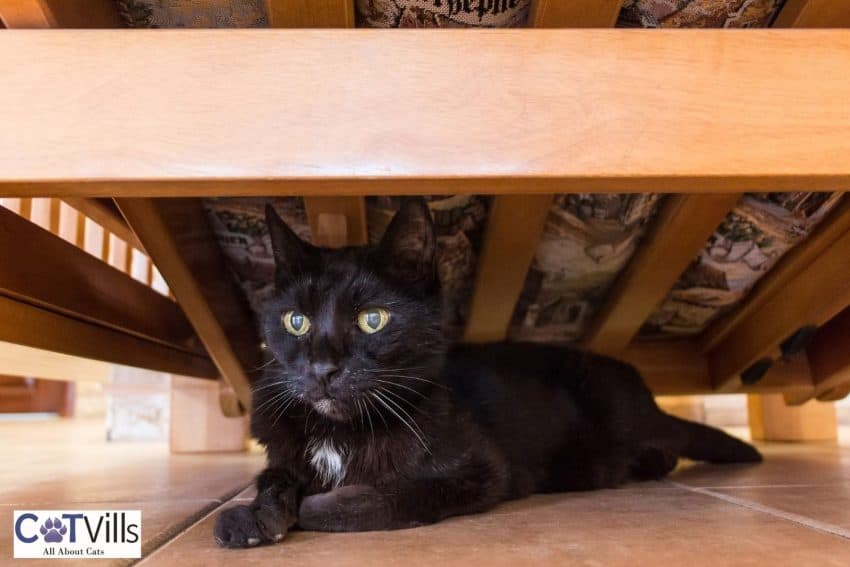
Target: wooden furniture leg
x,y
771,419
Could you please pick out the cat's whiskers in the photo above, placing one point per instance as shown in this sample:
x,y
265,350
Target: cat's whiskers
x,y
284,394
394,369
264,365
283,410
369,417
399,397
378,411
387,403
419,378
400,386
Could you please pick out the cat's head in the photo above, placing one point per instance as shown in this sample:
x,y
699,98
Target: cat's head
x,y
353,328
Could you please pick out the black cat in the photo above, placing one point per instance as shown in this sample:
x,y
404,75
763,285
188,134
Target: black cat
x,y
373,422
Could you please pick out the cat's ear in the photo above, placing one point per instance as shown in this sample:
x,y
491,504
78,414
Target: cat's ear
x,y
292,256
408,249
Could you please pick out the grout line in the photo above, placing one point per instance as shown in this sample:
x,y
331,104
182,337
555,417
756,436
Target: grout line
x,y
805,521
758,486
190,522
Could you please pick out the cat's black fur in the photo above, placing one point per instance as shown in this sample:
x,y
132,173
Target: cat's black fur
x,y
423,430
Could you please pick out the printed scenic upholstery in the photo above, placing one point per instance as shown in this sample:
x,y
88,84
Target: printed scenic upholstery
x,y
588,239
761,229
451,13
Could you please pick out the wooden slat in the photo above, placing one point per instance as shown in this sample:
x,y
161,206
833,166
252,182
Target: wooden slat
x,y
320,143
55,215
43,269
574,13
812,298
813,14
678,368
510,241
36,14
28,325
829,354
109,217
791,266
351,209
18,360
176,234
678,234
311,13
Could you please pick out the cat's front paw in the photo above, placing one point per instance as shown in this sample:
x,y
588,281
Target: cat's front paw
x,y
249,526
345,509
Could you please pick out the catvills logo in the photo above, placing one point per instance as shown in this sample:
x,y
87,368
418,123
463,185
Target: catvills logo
x,y
80,534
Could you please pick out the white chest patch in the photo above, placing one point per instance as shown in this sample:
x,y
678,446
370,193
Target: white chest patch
x,y
328,461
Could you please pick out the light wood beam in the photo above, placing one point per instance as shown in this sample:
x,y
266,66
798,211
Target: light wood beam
x,y
39,14
43,269
829,355
813,14
109,217
177,236
513,232
36,327
678,234
18,360
677,367
311,13
319,143
574,13
816,295
350,210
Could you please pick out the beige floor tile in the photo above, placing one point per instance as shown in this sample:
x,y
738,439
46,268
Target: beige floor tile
x,y
615,527
784,464
829,504
67,464
68,461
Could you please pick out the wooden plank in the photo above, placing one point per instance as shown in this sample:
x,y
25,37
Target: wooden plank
x,y
35,327
813,14
20,360
812,298
176,234
829,354
43,269
677,367
37,14
510,241
310,13
791,266
196,423
351,209
574,14
678,234
55,215
771,419
320,144
106,214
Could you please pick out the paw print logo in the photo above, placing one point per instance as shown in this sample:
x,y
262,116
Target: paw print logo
x,y
53,530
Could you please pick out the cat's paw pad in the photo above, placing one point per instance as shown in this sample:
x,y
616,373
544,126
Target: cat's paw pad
x,y
52,530
247,526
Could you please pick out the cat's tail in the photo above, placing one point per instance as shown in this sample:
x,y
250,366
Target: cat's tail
x,y
703,443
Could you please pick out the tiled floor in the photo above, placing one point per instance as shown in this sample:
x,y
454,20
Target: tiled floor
x,y
792,510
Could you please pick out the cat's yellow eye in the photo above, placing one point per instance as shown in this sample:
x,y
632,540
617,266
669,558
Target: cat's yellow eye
x,y
373,319
295,323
